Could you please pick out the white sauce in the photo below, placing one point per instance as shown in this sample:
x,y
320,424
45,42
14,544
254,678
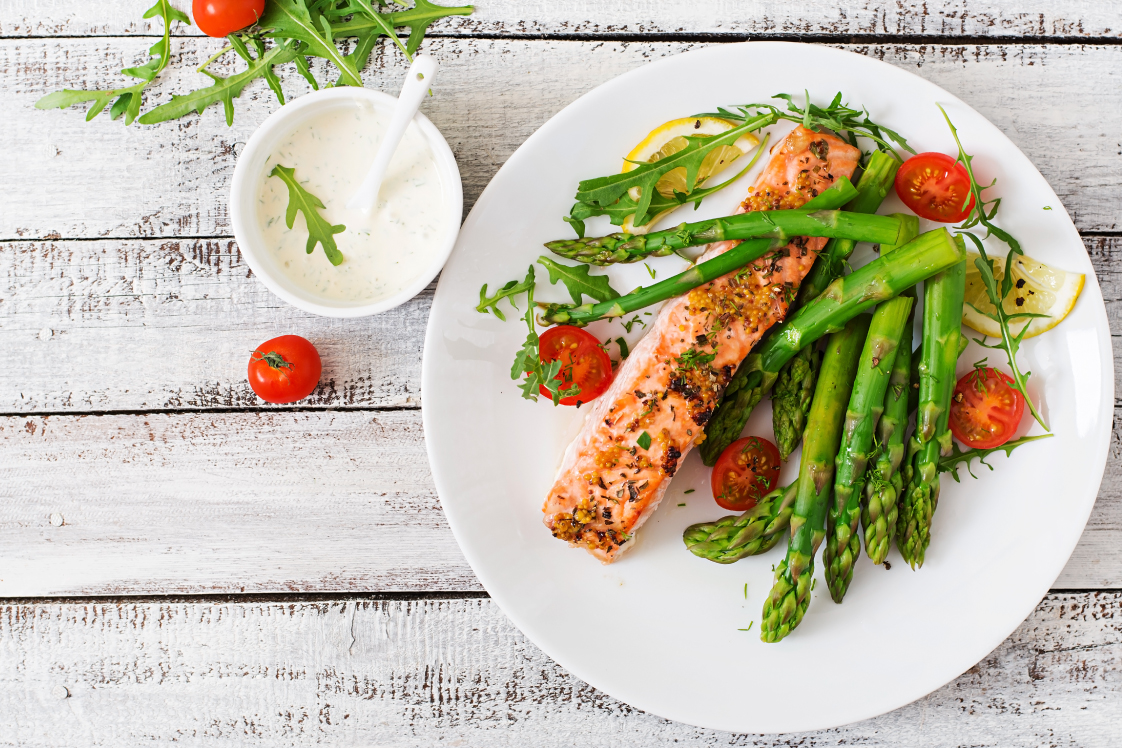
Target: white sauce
x,y
383,252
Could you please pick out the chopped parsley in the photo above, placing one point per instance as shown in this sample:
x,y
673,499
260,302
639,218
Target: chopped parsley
x,y
694,359
644,440
632,322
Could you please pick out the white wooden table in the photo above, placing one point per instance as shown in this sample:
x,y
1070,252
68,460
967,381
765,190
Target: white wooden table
x,y
181,562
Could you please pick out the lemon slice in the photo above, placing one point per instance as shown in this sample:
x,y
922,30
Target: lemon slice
x,y
670,138
1037,288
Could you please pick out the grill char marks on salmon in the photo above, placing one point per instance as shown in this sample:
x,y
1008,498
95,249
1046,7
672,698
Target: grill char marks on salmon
x,y
608,484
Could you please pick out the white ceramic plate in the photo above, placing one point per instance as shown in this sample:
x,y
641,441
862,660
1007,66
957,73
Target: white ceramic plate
x,y
661,629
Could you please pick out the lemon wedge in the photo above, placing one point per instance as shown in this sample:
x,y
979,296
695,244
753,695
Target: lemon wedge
x,y
1037,288
670,138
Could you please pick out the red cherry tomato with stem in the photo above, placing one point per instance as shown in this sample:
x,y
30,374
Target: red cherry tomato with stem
x,y
935,187
224,17
583,362
986,409
284,369
746,471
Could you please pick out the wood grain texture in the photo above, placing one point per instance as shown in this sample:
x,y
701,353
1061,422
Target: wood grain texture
x,y
174,321
223,502
1074,19
172,180
456,672
170,324
272,502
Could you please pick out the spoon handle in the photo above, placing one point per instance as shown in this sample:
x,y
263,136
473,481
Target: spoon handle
x,y
417,82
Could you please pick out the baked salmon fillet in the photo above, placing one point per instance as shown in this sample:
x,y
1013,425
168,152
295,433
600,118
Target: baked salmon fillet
x,y
608,483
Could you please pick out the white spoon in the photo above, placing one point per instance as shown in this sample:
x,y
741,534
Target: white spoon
x,y
417,82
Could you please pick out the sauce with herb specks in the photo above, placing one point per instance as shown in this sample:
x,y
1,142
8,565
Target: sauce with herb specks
x,y
384,251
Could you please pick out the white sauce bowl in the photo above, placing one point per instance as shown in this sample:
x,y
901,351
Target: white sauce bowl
x,y
248,174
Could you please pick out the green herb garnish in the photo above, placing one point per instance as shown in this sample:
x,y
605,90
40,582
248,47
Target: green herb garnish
x,y
846,121
578,281
128,99
949,464
980,217
644,440
623,351
528,365
297,29
319,230
510,290
694,359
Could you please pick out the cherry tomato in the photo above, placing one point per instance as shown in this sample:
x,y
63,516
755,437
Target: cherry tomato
x,y
224,17
583,362
746,471
935,187
986,409
284,369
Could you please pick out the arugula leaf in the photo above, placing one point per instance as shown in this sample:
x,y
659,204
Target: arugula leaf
x,y
292,19
578,281
618,211
602,192
837,116
224,90
510,290
529,366
1010,343
949,464
417,19
128,99
319,230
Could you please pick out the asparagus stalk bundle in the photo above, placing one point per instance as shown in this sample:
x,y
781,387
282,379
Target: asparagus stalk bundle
x,y
866,403
883,482
740,535
758,530
942,319
699,274
740,397
844,299
821,219
795,383
622,247
790,596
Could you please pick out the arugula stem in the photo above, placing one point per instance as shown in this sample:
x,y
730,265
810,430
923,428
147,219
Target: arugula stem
x,y
1009,343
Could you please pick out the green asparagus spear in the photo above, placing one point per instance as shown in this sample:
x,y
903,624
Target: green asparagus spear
x,y
883,483
843,542
791,397
738,256
739,535
942,320
625,248
790,596
845,298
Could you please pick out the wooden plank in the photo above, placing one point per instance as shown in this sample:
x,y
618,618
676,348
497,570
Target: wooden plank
x,y
172,180
174,320
271,502
456,672
1074,19
221,502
